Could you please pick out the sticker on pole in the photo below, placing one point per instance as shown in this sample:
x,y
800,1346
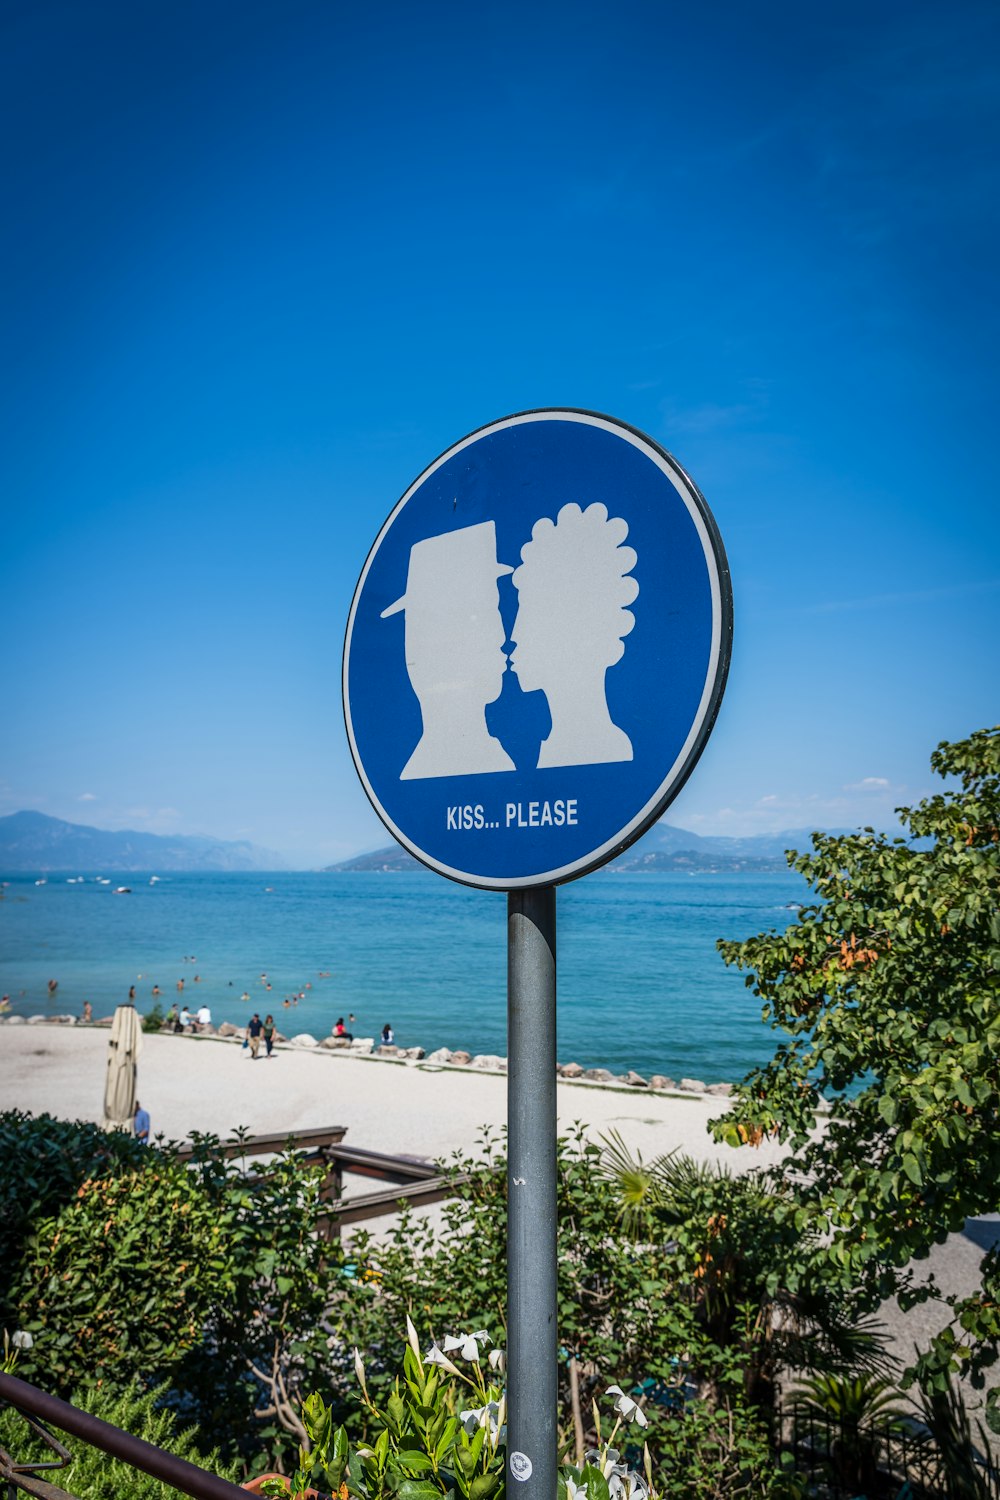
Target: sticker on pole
x,y
520,1466
536,649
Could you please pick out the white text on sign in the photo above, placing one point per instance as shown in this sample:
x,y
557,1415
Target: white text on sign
x,y
560,813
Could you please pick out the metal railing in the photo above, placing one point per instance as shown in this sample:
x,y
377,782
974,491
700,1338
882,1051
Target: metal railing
x,y
413,1182
42,1411
890,1460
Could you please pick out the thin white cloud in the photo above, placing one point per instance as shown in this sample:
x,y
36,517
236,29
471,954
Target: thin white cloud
x,y
880,601
86,797
712,416
872,800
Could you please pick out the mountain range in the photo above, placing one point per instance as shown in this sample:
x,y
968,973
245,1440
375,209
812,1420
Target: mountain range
x,y
664,847
33,842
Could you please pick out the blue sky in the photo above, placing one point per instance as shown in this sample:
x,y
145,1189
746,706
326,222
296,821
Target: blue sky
x,y
264,262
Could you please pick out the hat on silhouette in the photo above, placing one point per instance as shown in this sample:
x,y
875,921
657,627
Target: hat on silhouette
x,y
465,559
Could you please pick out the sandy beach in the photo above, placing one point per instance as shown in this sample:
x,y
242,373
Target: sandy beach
x,y
408,1108
203,1083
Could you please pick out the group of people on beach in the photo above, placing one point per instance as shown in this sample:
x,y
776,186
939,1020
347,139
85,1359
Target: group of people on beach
x,y
180,1020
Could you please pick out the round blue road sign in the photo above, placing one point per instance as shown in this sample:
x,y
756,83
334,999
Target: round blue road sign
x,y
536,649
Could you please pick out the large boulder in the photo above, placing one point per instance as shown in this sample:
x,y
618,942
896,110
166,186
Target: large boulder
x,y
416,1054
661,1081
570,1070
334,1043
490,1063
304,1039
440,1055
461,1058
692,1085
388,1049
598,1075
226,1028
365,1045
635,1080
723,1090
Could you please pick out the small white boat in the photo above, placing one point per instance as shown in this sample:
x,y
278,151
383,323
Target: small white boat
x,y
123,890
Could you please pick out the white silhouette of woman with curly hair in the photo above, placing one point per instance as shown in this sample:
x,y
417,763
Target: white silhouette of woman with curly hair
x,y
570,628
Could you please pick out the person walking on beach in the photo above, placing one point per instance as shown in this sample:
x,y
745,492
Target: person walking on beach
x,y
254,1029
269,1034
141,1124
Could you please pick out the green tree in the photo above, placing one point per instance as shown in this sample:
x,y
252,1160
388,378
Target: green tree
x,y
887,1086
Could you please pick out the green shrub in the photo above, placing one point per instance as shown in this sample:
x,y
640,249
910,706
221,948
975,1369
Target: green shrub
x,y
182,1272
43,1162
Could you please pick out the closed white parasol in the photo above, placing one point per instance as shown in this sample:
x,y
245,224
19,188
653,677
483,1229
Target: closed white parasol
x,y
123,1054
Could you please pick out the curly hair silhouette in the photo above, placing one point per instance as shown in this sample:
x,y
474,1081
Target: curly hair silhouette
x,y
570,628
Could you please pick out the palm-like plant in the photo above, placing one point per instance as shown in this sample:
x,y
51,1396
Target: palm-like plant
x,y
745,1260
960,1469
855,1414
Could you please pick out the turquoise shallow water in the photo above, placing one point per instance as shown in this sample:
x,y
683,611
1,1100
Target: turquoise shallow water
x,y
640,983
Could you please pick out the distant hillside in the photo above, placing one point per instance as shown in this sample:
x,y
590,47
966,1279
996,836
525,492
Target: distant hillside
x,y
390,860
31,841
664,847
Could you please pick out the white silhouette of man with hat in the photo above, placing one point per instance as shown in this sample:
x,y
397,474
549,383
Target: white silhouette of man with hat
x,y
454,651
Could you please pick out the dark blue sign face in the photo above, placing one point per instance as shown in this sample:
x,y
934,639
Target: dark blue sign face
x,y
536,649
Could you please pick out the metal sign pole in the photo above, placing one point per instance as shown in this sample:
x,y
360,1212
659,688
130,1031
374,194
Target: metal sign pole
x,y
532,1371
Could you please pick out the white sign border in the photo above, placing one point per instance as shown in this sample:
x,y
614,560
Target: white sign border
x,y
715,677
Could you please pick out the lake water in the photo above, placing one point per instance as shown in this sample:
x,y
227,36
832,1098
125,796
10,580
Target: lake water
x,y
640,983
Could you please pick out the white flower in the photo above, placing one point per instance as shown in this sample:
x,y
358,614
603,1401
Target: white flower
x,y
359,1370
22,1339
623,1483
606,1460
467,1343
434,1356
629,1409
575,1491
498,1360
628,1486
489,1417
